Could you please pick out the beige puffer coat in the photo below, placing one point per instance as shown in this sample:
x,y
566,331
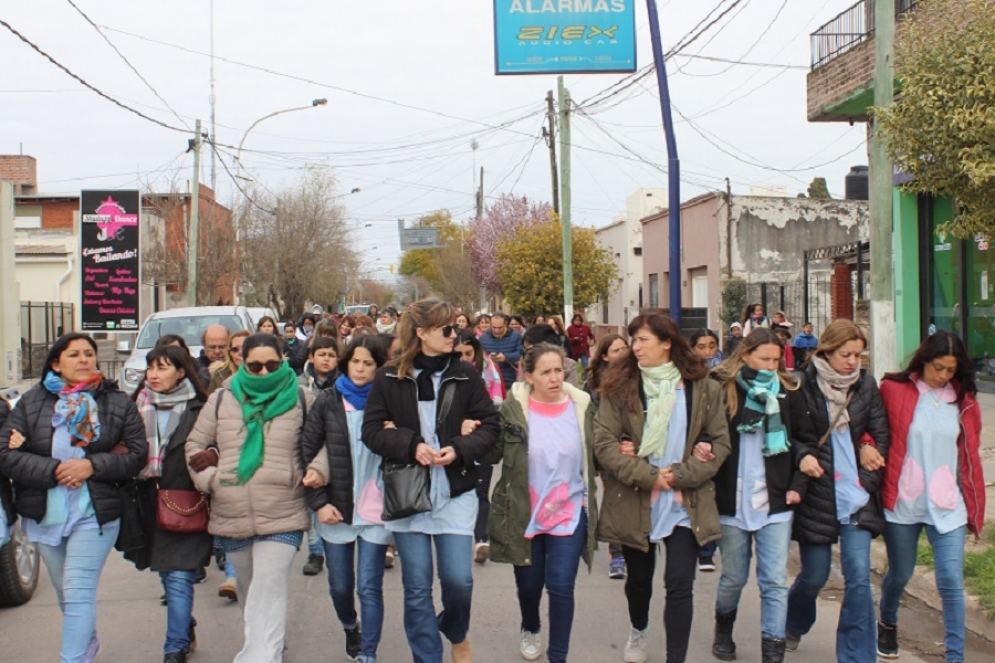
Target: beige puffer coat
x,y
272,501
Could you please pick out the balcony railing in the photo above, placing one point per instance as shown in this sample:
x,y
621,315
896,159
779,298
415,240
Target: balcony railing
x,y
848,30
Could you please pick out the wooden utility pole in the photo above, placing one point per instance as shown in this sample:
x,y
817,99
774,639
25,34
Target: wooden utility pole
x,y
568,267
194,229
550,135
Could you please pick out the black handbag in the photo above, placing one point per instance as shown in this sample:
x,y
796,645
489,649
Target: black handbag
x,y
406,489
407,485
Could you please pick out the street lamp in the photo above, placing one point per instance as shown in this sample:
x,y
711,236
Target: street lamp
x,y
238,158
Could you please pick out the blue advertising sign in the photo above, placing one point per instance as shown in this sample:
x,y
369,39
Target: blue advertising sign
x,y
564,36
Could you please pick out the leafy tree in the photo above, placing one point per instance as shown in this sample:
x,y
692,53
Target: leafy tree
x,y
499,222
530,268
819,190
941,131
447,270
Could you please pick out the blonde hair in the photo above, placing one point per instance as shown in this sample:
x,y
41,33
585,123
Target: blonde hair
x,y
424,314
727,371
837,334
227,362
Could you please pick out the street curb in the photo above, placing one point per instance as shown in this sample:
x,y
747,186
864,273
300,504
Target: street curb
x,y
922,587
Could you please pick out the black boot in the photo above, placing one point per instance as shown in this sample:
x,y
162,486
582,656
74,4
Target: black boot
x,y
175,657
723,648
773,650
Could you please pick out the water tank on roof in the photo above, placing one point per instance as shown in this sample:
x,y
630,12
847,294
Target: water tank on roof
x,y
857,183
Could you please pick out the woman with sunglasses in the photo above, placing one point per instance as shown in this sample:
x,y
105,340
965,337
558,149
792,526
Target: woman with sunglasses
x,y
933,480
415,413
258,508
349,508
66,468
222,370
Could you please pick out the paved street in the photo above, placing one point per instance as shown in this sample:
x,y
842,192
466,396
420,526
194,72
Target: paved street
x,y
132,623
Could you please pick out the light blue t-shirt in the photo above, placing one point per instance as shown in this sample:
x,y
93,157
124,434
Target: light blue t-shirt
x,y
666,512
928,491
850,494
67,510
557,492
367,485
448,515
752,500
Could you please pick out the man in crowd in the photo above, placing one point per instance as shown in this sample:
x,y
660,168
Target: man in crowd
x,y
504,347
215,348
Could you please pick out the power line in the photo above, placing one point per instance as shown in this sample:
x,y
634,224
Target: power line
x,y
82,82
127,62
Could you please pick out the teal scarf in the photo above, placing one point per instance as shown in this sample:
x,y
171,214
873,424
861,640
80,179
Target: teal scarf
x,y
263,398
762,409
660,386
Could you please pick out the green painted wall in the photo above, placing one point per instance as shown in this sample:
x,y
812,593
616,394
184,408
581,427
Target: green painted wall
x,y
907,267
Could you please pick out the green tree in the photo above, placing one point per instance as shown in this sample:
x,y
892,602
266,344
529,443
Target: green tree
x,y
448,269
941,130
819,190
530,268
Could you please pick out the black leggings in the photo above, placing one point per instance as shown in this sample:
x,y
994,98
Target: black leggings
x,y
678,579
485,472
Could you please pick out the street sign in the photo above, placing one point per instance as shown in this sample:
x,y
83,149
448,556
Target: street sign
x,y
110,260
564,36
418,238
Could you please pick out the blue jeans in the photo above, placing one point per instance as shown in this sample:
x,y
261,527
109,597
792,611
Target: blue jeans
x,y
454,554
948,555
856,638
74,567
555,560
178,586
773,543
346,580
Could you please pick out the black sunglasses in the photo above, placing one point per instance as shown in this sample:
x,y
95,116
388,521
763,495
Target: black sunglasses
x,y
272,366
447,330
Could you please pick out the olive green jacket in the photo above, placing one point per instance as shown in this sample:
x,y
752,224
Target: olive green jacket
x,y
511,505
625,509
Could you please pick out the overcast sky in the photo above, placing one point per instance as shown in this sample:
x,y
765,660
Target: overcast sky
x,y
410,84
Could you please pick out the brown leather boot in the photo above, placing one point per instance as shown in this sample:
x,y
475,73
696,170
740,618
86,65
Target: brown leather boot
x,y
462,652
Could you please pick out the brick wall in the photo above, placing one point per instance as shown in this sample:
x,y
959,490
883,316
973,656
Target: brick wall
x,y
58,214
842,78
22,171
842,292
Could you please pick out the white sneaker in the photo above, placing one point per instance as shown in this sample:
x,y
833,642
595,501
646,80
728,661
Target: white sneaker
x,y
531,646
635,648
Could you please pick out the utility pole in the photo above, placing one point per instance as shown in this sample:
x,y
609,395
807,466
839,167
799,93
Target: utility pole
x,y
193,233
568,267
884,351
673,166
480,215
214,129
550,135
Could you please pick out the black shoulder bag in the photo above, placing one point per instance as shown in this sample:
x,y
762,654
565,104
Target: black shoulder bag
x,y
407,485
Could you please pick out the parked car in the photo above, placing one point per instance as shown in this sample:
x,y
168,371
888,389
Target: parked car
x,y
19,560
258,313
189,323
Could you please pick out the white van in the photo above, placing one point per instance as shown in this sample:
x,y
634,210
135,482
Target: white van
x,y
189,323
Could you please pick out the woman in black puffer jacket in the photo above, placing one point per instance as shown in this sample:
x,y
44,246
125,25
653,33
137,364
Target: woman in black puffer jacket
x,y
77,438
842,504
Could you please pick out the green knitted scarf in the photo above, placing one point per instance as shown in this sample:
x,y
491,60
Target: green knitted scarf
x,y
263,398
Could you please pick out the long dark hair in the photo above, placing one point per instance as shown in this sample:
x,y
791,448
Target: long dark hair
x,y
60,346
941,344
622,378
598,365
179,358
260,340
467,337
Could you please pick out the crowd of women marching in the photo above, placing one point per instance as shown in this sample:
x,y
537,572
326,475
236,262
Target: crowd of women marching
x,y
368,432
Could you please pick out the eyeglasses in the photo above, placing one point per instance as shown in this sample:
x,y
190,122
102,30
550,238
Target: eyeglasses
x,y
447,331
214,347
271,366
